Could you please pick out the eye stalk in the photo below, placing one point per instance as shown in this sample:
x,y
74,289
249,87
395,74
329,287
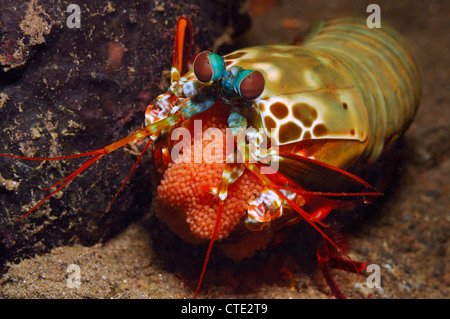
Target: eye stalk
x,y
249,84
208,67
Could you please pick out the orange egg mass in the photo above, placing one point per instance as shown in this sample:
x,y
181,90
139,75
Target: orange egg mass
x,y
186,202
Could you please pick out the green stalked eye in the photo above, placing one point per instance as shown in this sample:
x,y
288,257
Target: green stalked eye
x,y
249,84
208,67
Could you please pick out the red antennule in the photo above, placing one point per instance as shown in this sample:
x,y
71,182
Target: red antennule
x,y
183,44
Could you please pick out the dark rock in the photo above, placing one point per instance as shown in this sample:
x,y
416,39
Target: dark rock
x,y
71,90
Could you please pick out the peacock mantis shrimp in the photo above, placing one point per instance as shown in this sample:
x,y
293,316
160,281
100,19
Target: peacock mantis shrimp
x,y
331,107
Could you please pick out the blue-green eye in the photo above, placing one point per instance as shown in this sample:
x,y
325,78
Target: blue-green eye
x,y
249,84
208,67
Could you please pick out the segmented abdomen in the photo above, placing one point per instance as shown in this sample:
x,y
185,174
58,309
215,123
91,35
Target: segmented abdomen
x,y
383,70
349,88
